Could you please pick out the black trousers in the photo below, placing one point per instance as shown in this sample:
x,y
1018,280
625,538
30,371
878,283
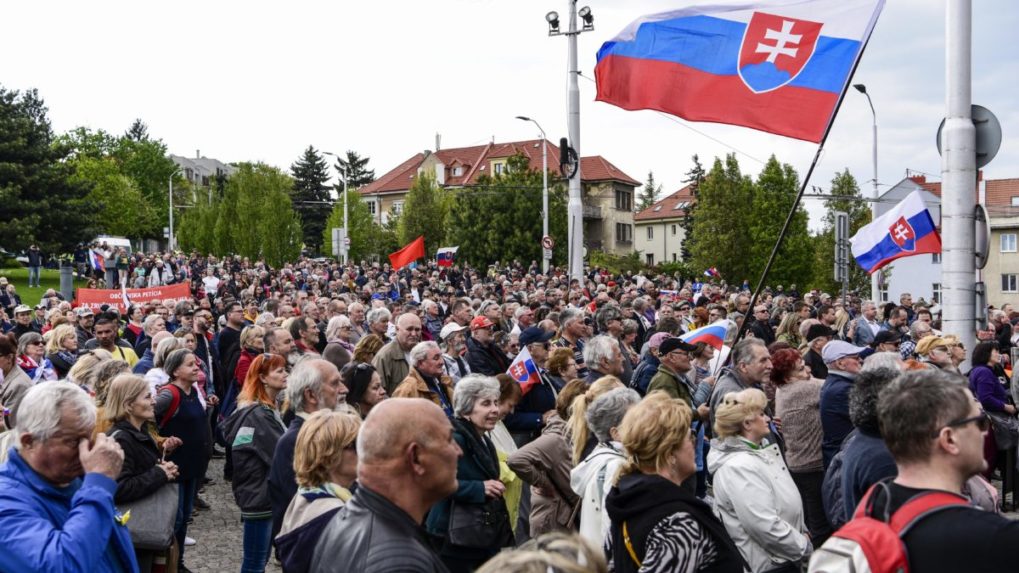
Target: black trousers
x,y
809,485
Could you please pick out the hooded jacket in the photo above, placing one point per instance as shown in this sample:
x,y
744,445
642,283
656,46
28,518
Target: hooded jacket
x,y
756,499
252,432
592,479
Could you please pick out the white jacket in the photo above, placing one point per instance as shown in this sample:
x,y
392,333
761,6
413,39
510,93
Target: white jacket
x,y
756,499
592,479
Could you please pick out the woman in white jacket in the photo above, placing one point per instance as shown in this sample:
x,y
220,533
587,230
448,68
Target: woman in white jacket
x,y
755,497
594,475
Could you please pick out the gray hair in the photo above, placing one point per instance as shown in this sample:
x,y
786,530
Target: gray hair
x,y
569,315
919,329
26,339
305,376
164,348
420,351
175,360
40,411
599,348
335,324
376,314
890,360
149,322
470,389
485,306
607,411
743,352
428,303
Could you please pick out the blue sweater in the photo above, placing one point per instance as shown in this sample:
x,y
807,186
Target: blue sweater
x,y
49,528
865,461
835,422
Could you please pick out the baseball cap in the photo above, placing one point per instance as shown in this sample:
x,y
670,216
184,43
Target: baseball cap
x,y
450,329
22,308
674,343
839,349
533,334
479,322
83,311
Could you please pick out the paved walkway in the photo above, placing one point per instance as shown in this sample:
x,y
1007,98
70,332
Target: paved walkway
x,y
219,531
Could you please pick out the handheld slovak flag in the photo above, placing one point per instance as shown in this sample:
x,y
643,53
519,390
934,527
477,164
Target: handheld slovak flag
x,y
124,297
906,230
778,66
712,272
446,256
712,334
411,252
524,371
97,260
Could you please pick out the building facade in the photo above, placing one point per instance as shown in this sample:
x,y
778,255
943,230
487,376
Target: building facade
x,y
659,233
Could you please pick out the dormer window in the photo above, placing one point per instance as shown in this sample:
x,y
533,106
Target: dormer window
x,y
458,171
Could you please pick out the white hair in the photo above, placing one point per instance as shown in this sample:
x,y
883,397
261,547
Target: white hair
x,y
306,376
420,351
39,413
470,389
335,324
377,314
599,348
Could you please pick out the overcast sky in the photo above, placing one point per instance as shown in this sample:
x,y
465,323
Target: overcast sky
x,y
260,81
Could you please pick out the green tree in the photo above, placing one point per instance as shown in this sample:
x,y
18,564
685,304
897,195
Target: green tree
x,y
721,225
138,131
649,193
356,168
846,197
40,200
120,207
424,213
500,217
311,195
694,177
774,194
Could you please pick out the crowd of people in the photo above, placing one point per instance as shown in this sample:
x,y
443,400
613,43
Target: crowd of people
x,y
367,422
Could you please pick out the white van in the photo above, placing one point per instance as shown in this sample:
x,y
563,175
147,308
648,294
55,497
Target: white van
x,y
114,242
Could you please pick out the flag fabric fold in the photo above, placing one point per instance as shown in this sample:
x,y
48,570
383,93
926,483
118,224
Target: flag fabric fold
x,y
904,231
524,371
446,256
408,254
97,260
778,66
712,334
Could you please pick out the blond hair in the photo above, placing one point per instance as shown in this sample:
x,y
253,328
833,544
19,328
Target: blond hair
x,y
737,407
577,423
251,333
84,369
124,389
56,335
556,551
320,444
652,430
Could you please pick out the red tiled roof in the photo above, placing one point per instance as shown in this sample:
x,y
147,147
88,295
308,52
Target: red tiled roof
x,y
999,192
666,208
475,162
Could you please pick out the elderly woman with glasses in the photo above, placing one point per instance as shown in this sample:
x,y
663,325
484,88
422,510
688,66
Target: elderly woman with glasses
x,y
479,490
340,331
755,496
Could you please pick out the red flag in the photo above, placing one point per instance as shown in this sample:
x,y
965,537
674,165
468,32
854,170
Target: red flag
x,y
407,255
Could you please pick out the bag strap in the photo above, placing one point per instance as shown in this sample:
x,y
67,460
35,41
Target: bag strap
x,y
174,404
629,546
910,513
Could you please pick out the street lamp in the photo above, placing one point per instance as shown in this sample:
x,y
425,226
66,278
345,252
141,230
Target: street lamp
x,y
346,227
873,206
170,193
544,189
575,208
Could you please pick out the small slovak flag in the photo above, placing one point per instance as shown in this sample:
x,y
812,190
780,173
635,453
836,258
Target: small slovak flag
x,y
123,295
97,261
446,256
524,371
712,272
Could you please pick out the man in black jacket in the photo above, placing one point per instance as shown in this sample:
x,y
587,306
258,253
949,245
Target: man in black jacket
x,y
407,461
483,355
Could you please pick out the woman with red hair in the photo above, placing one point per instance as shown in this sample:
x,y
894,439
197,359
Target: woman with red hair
x,y
797,406
252,432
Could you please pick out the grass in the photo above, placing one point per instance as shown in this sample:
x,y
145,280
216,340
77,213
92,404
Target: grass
x,y
48,279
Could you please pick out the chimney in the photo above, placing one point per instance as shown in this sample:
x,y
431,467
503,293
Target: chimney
x,y
438,141
198,154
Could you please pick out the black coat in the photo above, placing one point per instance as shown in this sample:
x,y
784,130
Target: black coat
x,y
140,476
487,360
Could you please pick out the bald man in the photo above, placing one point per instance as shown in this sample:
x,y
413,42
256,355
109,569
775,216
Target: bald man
x,y
393,360
406,463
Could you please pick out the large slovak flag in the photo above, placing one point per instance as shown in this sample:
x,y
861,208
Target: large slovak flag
x,y
777,66
446,256
524,371
712,334
906,230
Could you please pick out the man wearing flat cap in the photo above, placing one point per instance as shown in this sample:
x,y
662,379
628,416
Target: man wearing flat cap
x,y
671,377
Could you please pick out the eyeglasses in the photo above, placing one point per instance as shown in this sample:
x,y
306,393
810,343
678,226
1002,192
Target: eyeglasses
x,y
982,420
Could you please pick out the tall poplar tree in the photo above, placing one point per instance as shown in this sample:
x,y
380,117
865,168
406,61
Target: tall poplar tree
x,y
649,193
311,195
722,222
774,194
693,178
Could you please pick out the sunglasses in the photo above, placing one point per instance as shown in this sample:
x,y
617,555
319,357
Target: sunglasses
x,y
982,420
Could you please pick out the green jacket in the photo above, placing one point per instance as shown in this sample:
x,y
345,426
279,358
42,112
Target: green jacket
x,y
671,383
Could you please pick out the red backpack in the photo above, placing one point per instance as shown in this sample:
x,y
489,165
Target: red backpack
x,y
174,404
872,540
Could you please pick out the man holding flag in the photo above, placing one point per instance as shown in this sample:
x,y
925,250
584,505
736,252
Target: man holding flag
x,y
539,391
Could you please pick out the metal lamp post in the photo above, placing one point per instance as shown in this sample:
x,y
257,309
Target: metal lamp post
x,y
544,188
874,288
346,228
170,239
575,206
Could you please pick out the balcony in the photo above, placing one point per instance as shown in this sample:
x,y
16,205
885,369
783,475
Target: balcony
x,y
592,211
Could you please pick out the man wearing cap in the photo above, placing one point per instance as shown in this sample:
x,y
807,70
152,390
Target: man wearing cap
x,y
39,320
483,356
453,342
817,336
843,361
393,360
934,353
526,420
84,327
671,377
23,321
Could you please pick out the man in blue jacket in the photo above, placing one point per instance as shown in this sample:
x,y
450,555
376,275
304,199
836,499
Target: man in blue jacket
x,y
54,518
843,361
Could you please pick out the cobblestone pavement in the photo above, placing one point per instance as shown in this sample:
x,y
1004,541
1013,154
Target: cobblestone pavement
x,y
218,530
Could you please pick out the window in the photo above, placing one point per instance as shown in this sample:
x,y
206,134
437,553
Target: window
x,y
1008,283
397,207
499,168
936,258
936,293
458,171
624,200
673,257
673,229
1015,201
372,208
624,233
1008,242
883,292
649,259
650,232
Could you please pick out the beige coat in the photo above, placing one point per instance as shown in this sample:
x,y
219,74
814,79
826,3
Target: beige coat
x,y
414,386
546,463
15,386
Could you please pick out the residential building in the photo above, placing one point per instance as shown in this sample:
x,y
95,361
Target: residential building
x,y
607,192
202,171
659,233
